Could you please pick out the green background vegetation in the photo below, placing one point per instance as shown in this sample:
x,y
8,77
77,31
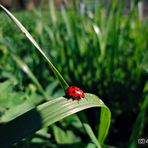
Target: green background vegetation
x,y
104,52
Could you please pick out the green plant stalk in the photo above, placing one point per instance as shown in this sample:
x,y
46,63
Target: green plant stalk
x,y
88,129
91,134
31,39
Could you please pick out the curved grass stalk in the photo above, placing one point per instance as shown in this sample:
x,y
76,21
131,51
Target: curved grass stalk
x,y
49,113
31,39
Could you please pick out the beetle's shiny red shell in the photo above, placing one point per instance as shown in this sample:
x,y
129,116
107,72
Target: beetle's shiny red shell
x,y
74,92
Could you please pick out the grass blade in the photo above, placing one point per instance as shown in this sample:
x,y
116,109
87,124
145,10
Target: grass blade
x,y
31,39
104,126
45,115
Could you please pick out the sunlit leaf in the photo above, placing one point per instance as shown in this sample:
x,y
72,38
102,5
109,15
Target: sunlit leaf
x,y
49,113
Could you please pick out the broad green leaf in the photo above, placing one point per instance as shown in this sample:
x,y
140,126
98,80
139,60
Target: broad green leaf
x,y
5,87
16,111
8,97
14,103
47,114
60,135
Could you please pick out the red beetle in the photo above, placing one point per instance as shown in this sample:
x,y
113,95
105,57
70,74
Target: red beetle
x,y
74,92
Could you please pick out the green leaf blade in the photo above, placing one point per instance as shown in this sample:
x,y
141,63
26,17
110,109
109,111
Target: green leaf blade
x,y
31,39
67,107
49,113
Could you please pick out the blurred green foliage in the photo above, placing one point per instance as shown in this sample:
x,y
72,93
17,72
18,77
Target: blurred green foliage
x,y
102,51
